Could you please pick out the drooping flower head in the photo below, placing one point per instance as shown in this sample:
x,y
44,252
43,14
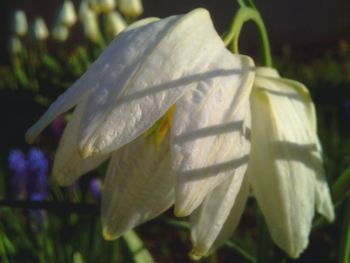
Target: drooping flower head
x,y
169,81
175,113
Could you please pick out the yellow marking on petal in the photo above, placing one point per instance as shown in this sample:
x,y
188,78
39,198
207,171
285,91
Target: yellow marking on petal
x,y
157,133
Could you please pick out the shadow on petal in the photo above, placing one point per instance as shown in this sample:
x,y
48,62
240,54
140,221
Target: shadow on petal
x,y
193,79
199,174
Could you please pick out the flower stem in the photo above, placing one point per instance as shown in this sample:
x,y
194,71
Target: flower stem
x,y
344,253
243,15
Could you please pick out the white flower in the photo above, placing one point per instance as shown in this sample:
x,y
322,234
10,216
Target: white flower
x,y
39,29
132,8
20,25
170,106
114,23
90,24
67,15
285,171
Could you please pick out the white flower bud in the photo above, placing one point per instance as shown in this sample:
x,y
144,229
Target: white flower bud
x,y
100,6
90,25
60,32
114,23
83,8
67,15
39,29
20,24
132,8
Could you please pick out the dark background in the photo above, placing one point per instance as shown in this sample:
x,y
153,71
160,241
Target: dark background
x,y
298,23
307,28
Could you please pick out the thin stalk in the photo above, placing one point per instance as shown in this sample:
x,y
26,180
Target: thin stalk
x,y
243,15
344,252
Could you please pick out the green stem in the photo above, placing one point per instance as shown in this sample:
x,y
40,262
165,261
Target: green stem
x,y
243,15
344,253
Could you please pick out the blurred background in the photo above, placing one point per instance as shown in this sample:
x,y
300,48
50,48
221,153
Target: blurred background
x,y
310,43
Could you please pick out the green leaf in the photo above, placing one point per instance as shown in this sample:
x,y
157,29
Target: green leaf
x,y
10,248
341,187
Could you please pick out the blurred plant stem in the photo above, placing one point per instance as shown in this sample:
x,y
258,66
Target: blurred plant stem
x,y
344,252
243,15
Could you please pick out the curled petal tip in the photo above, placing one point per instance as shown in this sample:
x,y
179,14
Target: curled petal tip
x,y
107,235
196,254
30,136
180,212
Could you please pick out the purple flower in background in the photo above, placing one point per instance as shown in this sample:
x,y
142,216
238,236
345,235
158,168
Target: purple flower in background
x,y
29,180
18,166
38,168
28,174
95,189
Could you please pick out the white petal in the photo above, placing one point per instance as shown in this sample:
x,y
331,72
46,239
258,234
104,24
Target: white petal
x,y
138,186
208,132
177,56
131,42
214,221
284,160
68,164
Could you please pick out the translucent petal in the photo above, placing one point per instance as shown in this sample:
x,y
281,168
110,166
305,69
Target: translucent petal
x,y
176,58
138,186
214,221
131,42
208,131
68,164
285,160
